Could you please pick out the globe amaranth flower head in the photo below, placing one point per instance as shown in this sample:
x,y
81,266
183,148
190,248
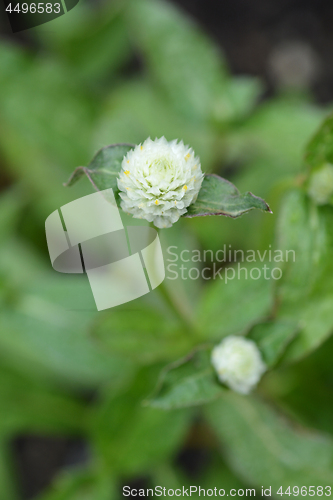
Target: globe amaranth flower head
x,y
159,180
238,363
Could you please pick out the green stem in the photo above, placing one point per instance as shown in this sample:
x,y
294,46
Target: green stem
x,y
176,305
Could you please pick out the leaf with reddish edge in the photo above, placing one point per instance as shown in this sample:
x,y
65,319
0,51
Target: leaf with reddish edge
x,y
218,196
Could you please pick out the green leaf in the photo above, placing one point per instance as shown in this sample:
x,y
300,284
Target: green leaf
x,y
233,307
237,100
291,387
20,265
302,232
304,292
265,450
272,141
190,381
94,44
218,196
320,148
47,333
104,168
266,150
37,88
12,202
131,438
143,335
36,406
213,471
136,110
54,349
320,185
272,338
319,162
184,63
81,485
244,94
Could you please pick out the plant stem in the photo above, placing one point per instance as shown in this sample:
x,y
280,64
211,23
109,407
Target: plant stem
x,y
176,305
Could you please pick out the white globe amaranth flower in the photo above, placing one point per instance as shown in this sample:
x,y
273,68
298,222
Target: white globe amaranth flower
x,y
238,363
159,180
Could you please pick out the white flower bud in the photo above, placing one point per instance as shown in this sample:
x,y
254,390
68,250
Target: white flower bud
x,y
159,180
321,185
238,363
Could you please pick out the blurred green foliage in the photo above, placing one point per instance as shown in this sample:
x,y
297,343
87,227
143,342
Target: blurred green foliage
x,y
120,73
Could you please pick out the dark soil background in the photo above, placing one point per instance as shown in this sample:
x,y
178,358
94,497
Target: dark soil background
x,y
285,43
277,40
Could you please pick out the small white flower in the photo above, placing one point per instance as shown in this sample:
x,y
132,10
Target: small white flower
x,y
159,180
238,363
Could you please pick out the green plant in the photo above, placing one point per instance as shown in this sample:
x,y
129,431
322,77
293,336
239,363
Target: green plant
x,y
146,366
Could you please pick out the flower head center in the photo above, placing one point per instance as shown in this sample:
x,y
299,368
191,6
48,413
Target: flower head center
x,y
162,167
161,171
